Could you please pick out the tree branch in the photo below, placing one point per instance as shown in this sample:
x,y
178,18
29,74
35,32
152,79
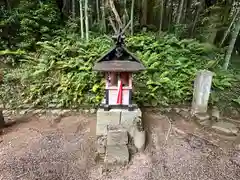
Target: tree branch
x,y
112,24
118,19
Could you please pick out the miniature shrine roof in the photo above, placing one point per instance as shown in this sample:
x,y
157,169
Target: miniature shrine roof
x,y
118,59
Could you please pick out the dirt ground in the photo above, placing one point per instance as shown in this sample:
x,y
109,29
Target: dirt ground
x,y
43,149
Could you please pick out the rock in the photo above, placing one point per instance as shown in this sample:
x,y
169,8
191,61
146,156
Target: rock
x,y
37,111
184,114
86,111
202,116
226,127
237,147
195,142
215,113
22,112
117,137
101,144
235,113
203,119
116,155
139,140
102,140
177,110
64,111
236,158
101,149
52,105
92,111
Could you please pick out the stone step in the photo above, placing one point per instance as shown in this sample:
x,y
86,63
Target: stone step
x,y
117,136
226,127
116,155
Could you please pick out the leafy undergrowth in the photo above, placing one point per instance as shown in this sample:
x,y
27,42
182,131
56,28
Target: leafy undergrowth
x,y
60,72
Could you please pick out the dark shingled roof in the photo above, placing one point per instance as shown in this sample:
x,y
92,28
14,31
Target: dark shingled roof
x,y
119,66
118,59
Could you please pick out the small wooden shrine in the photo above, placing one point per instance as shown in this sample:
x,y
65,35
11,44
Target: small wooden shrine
x,y
118,65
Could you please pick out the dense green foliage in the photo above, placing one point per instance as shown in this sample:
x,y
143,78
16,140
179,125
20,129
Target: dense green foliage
x,y
46,63
28,23
60,72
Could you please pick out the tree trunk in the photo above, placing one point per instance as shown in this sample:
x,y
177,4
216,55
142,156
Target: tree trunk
x,y
180,12
103,25
166,5
198,9
161,15
187,11
117,17
98,13
227,9
81,18
112,24
229,28
170,15
2,122
231,45
73,9
125,16
144,8
132,12
86,20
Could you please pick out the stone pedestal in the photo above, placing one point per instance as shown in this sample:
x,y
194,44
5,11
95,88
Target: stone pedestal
x,y
116,130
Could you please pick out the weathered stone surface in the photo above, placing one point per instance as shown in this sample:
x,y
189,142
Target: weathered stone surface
x,y
101,144
92,111
117,137
226,127
203,119
101,149
139,140
236,158
106,118
202,116
102,140
101,129
184,114
86,111
201,93
237,147
130,119
117,155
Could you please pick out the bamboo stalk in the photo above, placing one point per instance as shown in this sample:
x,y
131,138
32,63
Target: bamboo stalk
x,y
132,11
180,12
98,13
231,45
86,20
118,19
161,15
73,9
112,24
81,18
229,28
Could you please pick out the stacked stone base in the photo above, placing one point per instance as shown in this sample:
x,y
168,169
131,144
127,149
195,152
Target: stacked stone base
x,y
117,130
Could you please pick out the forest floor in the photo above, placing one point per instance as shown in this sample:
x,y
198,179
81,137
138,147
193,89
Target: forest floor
x,y
64,149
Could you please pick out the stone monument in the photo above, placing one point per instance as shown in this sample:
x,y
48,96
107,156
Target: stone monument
x,y
201,93
119,121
